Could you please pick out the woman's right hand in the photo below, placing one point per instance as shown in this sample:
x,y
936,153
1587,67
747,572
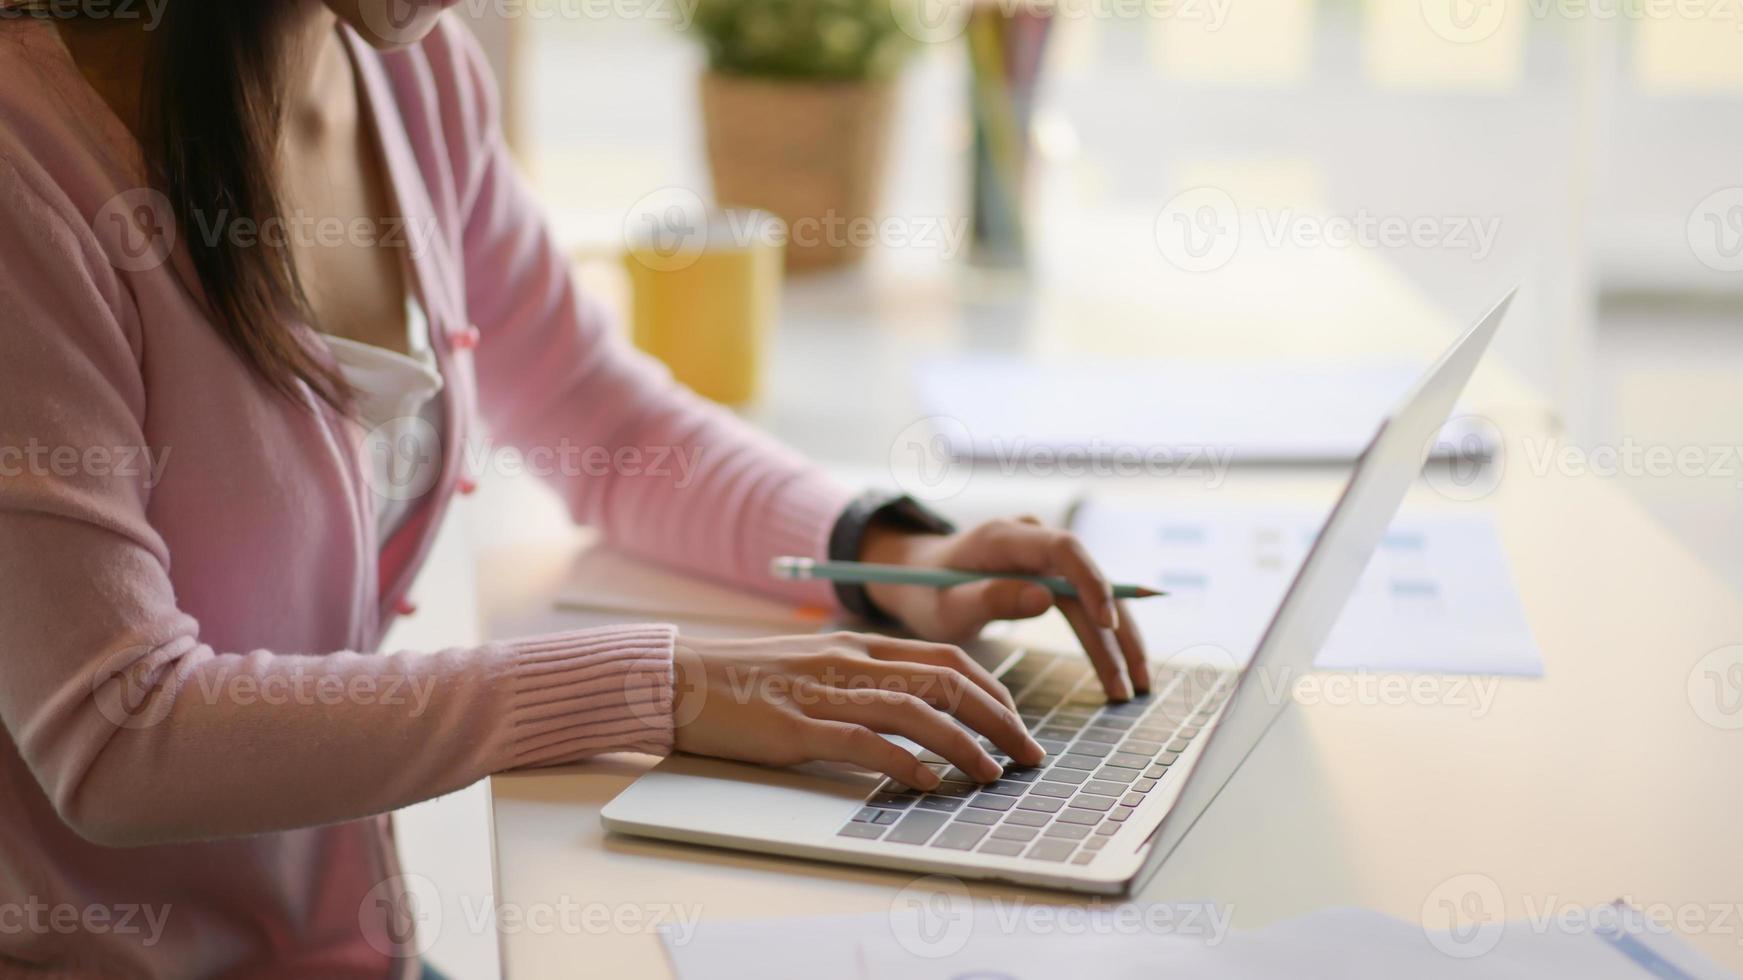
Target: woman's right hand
x,y
827,697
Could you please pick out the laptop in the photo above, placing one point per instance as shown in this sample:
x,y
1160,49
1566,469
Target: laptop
x,y
1123,784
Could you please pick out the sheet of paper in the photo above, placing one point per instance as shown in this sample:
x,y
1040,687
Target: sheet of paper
x,y
1335,944
771,949
1437,597
604,579
952,940
1208,413
922,925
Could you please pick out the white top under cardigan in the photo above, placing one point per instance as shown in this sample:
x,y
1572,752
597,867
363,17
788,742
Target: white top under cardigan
x,y
397,404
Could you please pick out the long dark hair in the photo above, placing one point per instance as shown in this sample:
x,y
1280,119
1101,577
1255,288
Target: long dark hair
x,y
212,109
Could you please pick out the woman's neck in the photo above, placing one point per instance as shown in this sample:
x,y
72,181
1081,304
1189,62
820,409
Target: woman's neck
x,y
314,68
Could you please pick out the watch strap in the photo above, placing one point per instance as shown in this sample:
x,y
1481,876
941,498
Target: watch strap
x,y
847,539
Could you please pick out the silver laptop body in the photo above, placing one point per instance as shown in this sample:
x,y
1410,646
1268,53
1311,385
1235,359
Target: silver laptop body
x,y
1123,785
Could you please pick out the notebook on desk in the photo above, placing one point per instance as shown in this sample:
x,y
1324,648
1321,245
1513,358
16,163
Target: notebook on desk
x,y
605,580
1204,413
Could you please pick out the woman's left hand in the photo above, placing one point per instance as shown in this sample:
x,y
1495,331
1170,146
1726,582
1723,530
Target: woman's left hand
x,y
1023,545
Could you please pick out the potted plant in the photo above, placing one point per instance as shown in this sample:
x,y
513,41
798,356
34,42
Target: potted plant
x,y
796,106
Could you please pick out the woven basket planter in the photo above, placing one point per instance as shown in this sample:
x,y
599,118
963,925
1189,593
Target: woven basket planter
x,y
812,153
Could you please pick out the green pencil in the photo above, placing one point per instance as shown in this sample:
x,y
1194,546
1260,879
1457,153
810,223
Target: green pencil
x,y
799,569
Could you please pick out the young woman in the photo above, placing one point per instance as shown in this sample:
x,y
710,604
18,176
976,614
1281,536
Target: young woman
x,y
201,739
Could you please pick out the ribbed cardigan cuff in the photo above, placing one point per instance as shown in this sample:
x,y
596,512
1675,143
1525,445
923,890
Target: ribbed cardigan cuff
x,y
582,693
796,521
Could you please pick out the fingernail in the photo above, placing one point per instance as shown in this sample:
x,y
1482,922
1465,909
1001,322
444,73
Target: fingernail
x,y
1113,614
929,779
1034,748
992,770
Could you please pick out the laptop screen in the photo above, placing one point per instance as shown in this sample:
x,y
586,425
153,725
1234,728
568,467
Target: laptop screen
x,y
1325,581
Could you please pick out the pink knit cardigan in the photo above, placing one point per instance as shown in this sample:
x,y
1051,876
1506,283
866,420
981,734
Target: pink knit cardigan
x,y
199,730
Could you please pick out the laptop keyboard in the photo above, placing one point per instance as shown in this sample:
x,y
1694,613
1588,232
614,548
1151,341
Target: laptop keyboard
x,y
1102,761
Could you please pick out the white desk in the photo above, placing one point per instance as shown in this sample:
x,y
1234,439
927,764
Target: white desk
x,y
1599,780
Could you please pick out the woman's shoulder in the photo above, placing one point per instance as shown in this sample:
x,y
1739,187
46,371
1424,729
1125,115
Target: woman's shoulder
x,y
70,192
58,141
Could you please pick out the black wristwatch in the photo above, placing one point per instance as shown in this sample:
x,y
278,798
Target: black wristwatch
x,y
847,539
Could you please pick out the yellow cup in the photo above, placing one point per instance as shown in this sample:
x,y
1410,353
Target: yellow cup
x,y
704,298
